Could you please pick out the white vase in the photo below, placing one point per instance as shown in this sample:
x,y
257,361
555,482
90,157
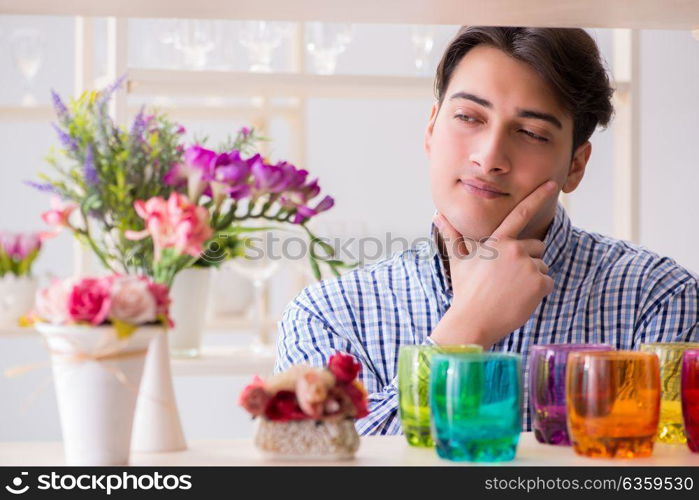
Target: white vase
x,y
189,294
97,377
157,426
16,298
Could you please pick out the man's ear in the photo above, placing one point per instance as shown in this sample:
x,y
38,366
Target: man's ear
x,y
430,126
577,167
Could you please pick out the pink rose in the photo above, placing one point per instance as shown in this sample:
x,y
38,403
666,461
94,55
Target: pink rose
x,y
52,302
89,301
132,300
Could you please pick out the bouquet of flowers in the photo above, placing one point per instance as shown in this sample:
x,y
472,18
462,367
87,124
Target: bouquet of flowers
x,y
307,393
126,302
18,252
147,204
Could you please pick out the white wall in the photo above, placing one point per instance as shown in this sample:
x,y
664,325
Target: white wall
x,y
368,154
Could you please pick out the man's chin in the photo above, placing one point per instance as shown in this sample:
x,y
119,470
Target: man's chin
x,y
473,229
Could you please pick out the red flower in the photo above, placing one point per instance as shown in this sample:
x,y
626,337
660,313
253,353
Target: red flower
x,y
359,399
344,367
283,406
254,398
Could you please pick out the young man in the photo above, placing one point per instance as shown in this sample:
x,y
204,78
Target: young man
x,y
515,110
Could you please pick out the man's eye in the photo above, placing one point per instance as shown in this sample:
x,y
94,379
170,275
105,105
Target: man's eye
x,y
534,136
466,118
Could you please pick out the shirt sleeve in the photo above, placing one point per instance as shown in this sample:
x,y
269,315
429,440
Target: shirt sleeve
x,y
671,315
308,335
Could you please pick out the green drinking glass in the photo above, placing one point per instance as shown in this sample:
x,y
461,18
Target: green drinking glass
x,y
414,388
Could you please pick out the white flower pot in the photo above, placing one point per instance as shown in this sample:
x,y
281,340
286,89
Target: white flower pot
x,y
189,294
97,377
16,298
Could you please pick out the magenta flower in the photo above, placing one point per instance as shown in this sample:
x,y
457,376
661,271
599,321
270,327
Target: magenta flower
x,y
198,166
89,301
268,178
304,212
230,177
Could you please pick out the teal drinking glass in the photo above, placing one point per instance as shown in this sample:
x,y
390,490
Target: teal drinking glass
x,y
476,404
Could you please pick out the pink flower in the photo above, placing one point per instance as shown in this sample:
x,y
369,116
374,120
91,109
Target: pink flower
x,y
254,398
161,294
89,301
176,223
52,302
132,300
311,391
59,214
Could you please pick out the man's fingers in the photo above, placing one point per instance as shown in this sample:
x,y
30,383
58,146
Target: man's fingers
x,y
453,240
534,248
520,216
541,265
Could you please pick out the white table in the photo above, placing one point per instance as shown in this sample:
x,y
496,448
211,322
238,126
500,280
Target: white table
x,y
373,451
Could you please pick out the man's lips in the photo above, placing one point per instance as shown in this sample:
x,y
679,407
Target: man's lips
x,y
483,189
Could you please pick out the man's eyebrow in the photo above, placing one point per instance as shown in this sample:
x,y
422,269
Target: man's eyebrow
x,y
522,113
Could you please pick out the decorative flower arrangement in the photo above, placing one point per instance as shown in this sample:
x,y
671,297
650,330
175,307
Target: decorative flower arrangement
x,y
147,204
308,412
18,252
308,393
126,302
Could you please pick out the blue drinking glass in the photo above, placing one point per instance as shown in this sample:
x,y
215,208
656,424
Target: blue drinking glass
x,y
476,405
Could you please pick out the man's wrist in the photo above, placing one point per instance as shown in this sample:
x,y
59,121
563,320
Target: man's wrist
x,y
454,329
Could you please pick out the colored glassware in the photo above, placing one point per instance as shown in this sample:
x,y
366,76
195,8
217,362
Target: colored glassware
x,y
613,402
690,397
414,387
476,403
670,427
547,384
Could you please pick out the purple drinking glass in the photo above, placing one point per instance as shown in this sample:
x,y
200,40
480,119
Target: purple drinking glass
x,y
547,389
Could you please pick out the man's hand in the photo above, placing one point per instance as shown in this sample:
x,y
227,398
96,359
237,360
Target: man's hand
x,y
495,296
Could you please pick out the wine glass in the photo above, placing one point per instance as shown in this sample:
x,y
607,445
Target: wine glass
x,y
27,53
423,42
260,39
261,259
325,42
195,39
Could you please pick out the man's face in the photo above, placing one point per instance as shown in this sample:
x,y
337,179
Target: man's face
x,y
498,135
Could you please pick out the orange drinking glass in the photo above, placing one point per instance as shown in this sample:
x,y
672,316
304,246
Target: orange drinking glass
x,y
613,403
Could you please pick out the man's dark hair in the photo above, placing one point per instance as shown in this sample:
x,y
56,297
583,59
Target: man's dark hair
x,y
566,58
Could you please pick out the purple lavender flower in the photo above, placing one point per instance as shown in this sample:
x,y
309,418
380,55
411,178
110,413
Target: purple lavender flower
x,y
91,176
106,93
43,187
59,107
139,125
66,140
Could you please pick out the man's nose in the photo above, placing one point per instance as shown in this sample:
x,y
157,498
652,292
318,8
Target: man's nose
x,y
491,152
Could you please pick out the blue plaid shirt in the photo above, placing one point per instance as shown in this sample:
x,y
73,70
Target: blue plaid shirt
x,y
605,290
